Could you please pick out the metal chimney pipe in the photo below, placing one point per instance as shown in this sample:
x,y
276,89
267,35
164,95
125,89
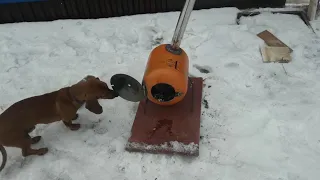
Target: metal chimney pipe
x,y
182,23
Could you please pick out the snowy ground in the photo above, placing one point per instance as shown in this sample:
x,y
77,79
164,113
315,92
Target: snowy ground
x,y
261,123
297,1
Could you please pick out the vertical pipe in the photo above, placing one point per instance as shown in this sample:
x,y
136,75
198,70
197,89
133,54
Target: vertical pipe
x,y
312,9
182,23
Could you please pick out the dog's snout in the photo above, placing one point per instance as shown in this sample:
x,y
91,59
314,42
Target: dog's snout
x,y
115,94
110,94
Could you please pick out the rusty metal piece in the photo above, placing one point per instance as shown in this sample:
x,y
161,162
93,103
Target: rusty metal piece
x,y
169,129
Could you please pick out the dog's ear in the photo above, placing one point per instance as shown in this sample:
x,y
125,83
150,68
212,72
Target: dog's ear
x,y
94,106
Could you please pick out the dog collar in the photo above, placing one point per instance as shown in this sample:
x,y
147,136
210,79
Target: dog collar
x,y
73,98
84,80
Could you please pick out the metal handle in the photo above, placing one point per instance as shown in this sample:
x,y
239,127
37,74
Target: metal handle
x,y
182,23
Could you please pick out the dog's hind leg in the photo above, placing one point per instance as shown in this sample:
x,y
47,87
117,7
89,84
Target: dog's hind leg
x,y
31,129
20,140
34,140
27,150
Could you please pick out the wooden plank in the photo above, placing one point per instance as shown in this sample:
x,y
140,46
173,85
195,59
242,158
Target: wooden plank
x,y
91,9
164,5
271,40
82,9
60,10
86,8
50,10
15,12
136,6
38,11
26,12
176,5
153,6
108,8
125,7
94,9
72,9
5,16
147,6
141,5
130,7
79,8
98,9
103,9
119,8
113,4
158,6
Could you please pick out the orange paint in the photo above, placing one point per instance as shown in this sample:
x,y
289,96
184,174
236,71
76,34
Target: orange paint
x,y
166,67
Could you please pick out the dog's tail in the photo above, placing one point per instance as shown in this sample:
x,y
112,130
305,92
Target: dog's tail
x,y
4,157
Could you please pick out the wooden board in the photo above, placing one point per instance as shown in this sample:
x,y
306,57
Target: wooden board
x,y
272,40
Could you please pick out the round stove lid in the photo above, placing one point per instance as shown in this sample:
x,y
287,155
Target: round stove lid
x,y
127,87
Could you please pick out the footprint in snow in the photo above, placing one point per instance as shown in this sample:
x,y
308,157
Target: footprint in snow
x,y
100,130
203,69
231,65
79,23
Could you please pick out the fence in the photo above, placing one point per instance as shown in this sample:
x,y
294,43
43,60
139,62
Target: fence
x,y
47,10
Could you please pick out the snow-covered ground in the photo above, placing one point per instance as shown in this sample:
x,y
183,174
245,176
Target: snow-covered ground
x,y
297,1
262,121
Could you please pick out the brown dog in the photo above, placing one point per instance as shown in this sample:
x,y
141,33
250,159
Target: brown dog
x,y
20,119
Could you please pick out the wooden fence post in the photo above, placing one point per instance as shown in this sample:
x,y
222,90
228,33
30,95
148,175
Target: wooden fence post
x,y
312,9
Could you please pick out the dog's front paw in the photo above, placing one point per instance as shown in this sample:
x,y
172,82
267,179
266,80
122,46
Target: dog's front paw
x,y
42,151
75,117
36,139
74,127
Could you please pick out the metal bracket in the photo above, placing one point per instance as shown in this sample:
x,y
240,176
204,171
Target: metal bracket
x,y
172,50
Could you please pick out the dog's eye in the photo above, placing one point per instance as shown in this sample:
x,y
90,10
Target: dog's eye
x,y
103,87
97,78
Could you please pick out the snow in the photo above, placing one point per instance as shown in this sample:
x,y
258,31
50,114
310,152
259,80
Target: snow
x,y
172,146
260,121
